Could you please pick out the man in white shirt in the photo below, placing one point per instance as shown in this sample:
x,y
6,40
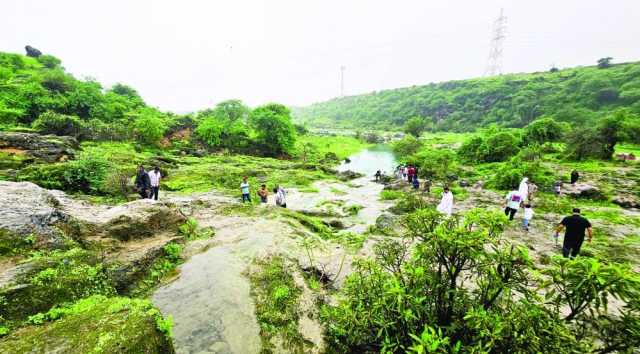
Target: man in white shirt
x,y
154,177
513,199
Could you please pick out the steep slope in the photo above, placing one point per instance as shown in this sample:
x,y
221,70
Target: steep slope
x,y
577,95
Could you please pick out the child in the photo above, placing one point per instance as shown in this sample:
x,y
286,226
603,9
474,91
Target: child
x,y
528,214
263,193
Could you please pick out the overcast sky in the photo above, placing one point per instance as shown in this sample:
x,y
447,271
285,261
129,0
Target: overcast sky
x,y
189,54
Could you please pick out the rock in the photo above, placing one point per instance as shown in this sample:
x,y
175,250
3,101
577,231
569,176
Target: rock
x,y
44,213
463,183
349,175
48,148
32,52
335,223
583,190
347,160
394,186
478,185
386,221
626,201
95,324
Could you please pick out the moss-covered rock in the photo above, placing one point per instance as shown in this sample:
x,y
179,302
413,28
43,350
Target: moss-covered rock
x,y
94,325
49,148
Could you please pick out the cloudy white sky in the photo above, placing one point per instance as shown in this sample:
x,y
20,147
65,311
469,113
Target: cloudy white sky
x,y
189,54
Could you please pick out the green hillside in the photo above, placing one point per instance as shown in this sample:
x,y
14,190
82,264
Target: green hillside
x,y
514,100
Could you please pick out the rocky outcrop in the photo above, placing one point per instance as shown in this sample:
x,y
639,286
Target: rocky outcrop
x,y
627,201
28,209
349,175
32,52
47,148
583,190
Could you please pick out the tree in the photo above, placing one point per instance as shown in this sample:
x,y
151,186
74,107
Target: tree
x,y
600,142
59,124
231,111
406,146
275,134
543,130
415,126
604,63
149,126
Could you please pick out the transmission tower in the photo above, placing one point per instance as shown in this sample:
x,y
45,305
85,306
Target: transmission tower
x,y
342,68
498,32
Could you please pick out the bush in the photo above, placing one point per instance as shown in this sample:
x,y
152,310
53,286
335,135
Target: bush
x,y
86,174
59,124
544,130
49,61
509,175
434,164
406,146
149,127
275,134
493,147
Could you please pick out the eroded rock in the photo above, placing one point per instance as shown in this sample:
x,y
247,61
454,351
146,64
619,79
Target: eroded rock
x,y
583,190
626,201
48,148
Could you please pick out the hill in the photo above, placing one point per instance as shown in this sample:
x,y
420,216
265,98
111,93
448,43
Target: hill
x,y
573,95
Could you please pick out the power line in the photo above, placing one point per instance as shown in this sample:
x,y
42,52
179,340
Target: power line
x,y
498,35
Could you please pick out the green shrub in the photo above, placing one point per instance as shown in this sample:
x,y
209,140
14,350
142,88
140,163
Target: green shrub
x,y
406,146
544,130
59,124
509,175
390,194
149,127
87,174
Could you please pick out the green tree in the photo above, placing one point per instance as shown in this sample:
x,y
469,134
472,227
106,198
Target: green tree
x,y
149,126
604,63
406,146
544,130
415,126
59,124
231,111
275,134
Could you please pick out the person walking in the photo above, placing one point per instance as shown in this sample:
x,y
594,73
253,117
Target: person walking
x,y
575,227
142,183
263,193
513,200
416,183
446,203
411,173
528,215
523,189
378,175
154,179
557,188
244,188
574,176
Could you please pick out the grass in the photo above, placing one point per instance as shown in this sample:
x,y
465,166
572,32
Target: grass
x,y
276,297
342,146
390,194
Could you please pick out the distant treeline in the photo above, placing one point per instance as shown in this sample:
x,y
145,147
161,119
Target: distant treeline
x,y
576,95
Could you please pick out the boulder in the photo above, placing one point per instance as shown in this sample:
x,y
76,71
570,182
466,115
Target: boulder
x,y
463,183
394,186
32,52
45,213
349,175
386,221
48,148
626,201
583,190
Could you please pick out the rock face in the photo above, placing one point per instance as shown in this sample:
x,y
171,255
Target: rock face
x,y
627,201
29,209
583,190
32,52
48,148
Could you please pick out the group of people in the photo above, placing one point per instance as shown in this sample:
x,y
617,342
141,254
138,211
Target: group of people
x,y
147,184
408,173
263,193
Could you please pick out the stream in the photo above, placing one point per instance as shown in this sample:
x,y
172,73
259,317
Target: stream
x,y
210,300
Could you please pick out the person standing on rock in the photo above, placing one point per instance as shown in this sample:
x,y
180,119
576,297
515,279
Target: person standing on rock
x,y
244,188
446,203
513,200
142,183
154,179
575,226
574,176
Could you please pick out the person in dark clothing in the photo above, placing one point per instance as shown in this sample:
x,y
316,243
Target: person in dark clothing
x,y
378,175
142,183
575,227
574,176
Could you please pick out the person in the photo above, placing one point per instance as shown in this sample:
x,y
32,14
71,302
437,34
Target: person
x,y
574,176
557,187
281,196
523,189
399,172
405,172
575,226
513,200
426,185
378,175
142,183
528,215
244,188
410,173
154,179
416,183
446,203
263,193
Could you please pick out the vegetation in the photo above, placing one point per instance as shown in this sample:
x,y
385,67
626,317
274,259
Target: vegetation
x,y
576,96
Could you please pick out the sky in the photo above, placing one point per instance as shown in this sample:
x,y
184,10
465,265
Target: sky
x,y
188,55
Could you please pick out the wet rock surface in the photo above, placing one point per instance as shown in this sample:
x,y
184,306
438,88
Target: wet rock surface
x,y
48,148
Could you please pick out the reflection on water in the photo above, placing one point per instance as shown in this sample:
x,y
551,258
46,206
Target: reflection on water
x,y
367,162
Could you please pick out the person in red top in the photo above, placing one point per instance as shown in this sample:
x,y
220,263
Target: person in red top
x,y
412,173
